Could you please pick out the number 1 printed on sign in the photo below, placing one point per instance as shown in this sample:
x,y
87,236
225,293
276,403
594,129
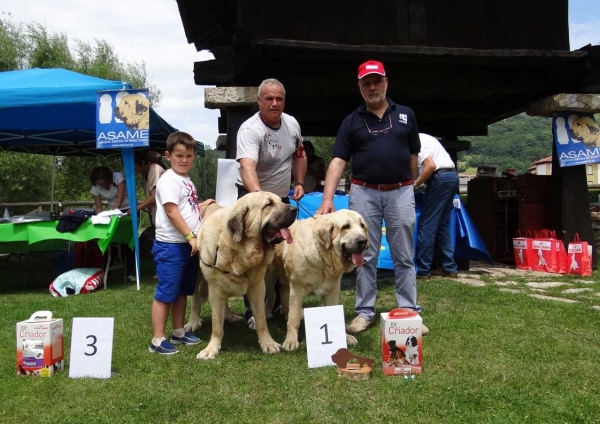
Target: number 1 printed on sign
x,y
327,341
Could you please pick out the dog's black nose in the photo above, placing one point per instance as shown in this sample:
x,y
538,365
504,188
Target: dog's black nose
x,y
362,243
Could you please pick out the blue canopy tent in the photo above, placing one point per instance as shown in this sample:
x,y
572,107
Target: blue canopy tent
x,y
53,111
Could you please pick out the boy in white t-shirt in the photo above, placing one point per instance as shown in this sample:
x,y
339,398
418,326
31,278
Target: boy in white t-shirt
x,y
174,251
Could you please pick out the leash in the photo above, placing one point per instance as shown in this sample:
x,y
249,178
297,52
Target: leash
x,y
304,209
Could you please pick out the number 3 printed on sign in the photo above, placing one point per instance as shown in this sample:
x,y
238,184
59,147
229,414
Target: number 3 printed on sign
x,y
92,345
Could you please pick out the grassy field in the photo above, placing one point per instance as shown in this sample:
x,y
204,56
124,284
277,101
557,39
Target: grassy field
x,y
491,357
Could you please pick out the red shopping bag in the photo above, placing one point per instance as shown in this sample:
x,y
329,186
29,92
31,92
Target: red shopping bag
x,y
544,252
579,257
523,251
561,258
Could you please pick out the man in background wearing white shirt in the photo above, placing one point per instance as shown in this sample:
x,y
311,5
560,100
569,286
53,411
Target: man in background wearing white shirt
x,y
433,237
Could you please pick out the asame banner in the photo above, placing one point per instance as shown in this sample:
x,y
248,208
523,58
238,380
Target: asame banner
x,y
577,138
122,119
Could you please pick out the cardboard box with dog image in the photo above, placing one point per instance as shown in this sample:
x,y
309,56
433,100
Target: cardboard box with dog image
x,y
401,342
40,345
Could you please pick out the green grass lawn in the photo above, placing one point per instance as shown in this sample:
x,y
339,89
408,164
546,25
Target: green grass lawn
x,y
491,357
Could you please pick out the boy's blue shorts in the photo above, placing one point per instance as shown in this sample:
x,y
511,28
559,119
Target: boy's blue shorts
x,y
176,270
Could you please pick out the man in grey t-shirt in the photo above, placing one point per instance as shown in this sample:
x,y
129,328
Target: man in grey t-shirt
x,y
269,146
270,151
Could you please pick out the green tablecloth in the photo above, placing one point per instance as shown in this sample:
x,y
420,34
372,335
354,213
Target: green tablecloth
x,y
42,235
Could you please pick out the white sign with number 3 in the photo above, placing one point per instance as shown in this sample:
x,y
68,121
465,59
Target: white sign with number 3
x,y
91,347
325,334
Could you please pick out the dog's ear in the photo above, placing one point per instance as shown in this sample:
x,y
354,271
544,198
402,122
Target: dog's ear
x,y
325,231
140,107
574,135
235,224
593,127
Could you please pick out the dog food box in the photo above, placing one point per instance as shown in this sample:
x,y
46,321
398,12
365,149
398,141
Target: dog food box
x,y
40,345
401,342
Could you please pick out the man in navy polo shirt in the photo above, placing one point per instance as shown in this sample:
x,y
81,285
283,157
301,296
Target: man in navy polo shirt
x,y
382,140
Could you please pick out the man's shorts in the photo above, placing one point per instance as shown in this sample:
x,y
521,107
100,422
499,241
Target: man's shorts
x,y
176,270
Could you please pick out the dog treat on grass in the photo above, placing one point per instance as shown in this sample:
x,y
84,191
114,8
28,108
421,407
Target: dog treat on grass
x,y
352,367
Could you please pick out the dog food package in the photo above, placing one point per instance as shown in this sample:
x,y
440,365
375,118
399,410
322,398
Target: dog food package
x,y
401,342
40,345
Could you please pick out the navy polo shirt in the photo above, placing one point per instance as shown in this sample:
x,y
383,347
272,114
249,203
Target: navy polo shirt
x,y
380,149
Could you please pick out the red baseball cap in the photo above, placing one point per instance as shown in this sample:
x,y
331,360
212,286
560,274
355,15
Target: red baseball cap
x,y
370,67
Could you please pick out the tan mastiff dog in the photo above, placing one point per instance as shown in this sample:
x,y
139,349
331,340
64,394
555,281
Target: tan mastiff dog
x,y
236,245
324,248
200,295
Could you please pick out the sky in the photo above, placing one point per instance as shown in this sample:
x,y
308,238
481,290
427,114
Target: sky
x,y
151,31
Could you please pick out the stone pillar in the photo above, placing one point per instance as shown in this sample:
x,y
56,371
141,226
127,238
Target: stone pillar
x,y
582,103
236,104
570,206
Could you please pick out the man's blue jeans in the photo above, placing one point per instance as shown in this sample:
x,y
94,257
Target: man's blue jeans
x,y
433,234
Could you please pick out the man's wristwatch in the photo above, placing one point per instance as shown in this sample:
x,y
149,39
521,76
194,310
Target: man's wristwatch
x,y
190,236
300,184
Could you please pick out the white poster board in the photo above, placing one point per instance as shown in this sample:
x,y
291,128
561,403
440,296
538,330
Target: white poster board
x,y
325,334
227,174
91,347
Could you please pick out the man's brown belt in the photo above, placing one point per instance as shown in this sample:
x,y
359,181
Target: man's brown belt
x,y
382,187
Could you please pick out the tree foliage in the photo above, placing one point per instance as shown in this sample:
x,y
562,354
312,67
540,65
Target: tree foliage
x,y
204,173
24,177
515,142
12,45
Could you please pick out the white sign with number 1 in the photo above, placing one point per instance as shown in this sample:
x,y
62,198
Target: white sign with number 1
x,y
91,347
325,334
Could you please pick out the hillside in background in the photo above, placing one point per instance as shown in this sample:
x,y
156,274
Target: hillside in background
x,y
515,142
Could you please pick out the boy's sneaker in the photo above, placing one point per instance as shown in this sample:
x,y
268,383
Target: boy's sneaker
x,y
131,278
165,348
187,339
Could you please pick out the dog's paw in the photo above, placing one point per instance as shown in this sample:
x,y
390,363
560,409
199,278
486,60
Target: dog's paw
x,y
290,345
233,318
351,340
193,325
271,347
207,354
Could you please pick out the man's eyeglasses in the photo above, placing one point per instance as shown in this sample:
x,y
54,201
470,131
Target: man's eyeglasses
x,y
383,131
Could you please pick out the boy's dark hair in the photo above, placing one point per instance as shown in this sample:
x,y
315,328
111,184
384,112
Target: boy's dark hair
x,y
101,173
180,137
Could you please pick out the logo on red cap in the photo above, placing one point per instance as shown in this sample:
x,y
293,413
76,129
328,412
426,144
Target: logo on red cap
x,y
370,67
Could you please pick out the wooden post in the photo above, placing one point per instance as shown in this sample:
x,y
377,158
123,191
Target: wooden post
x,y
570,203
